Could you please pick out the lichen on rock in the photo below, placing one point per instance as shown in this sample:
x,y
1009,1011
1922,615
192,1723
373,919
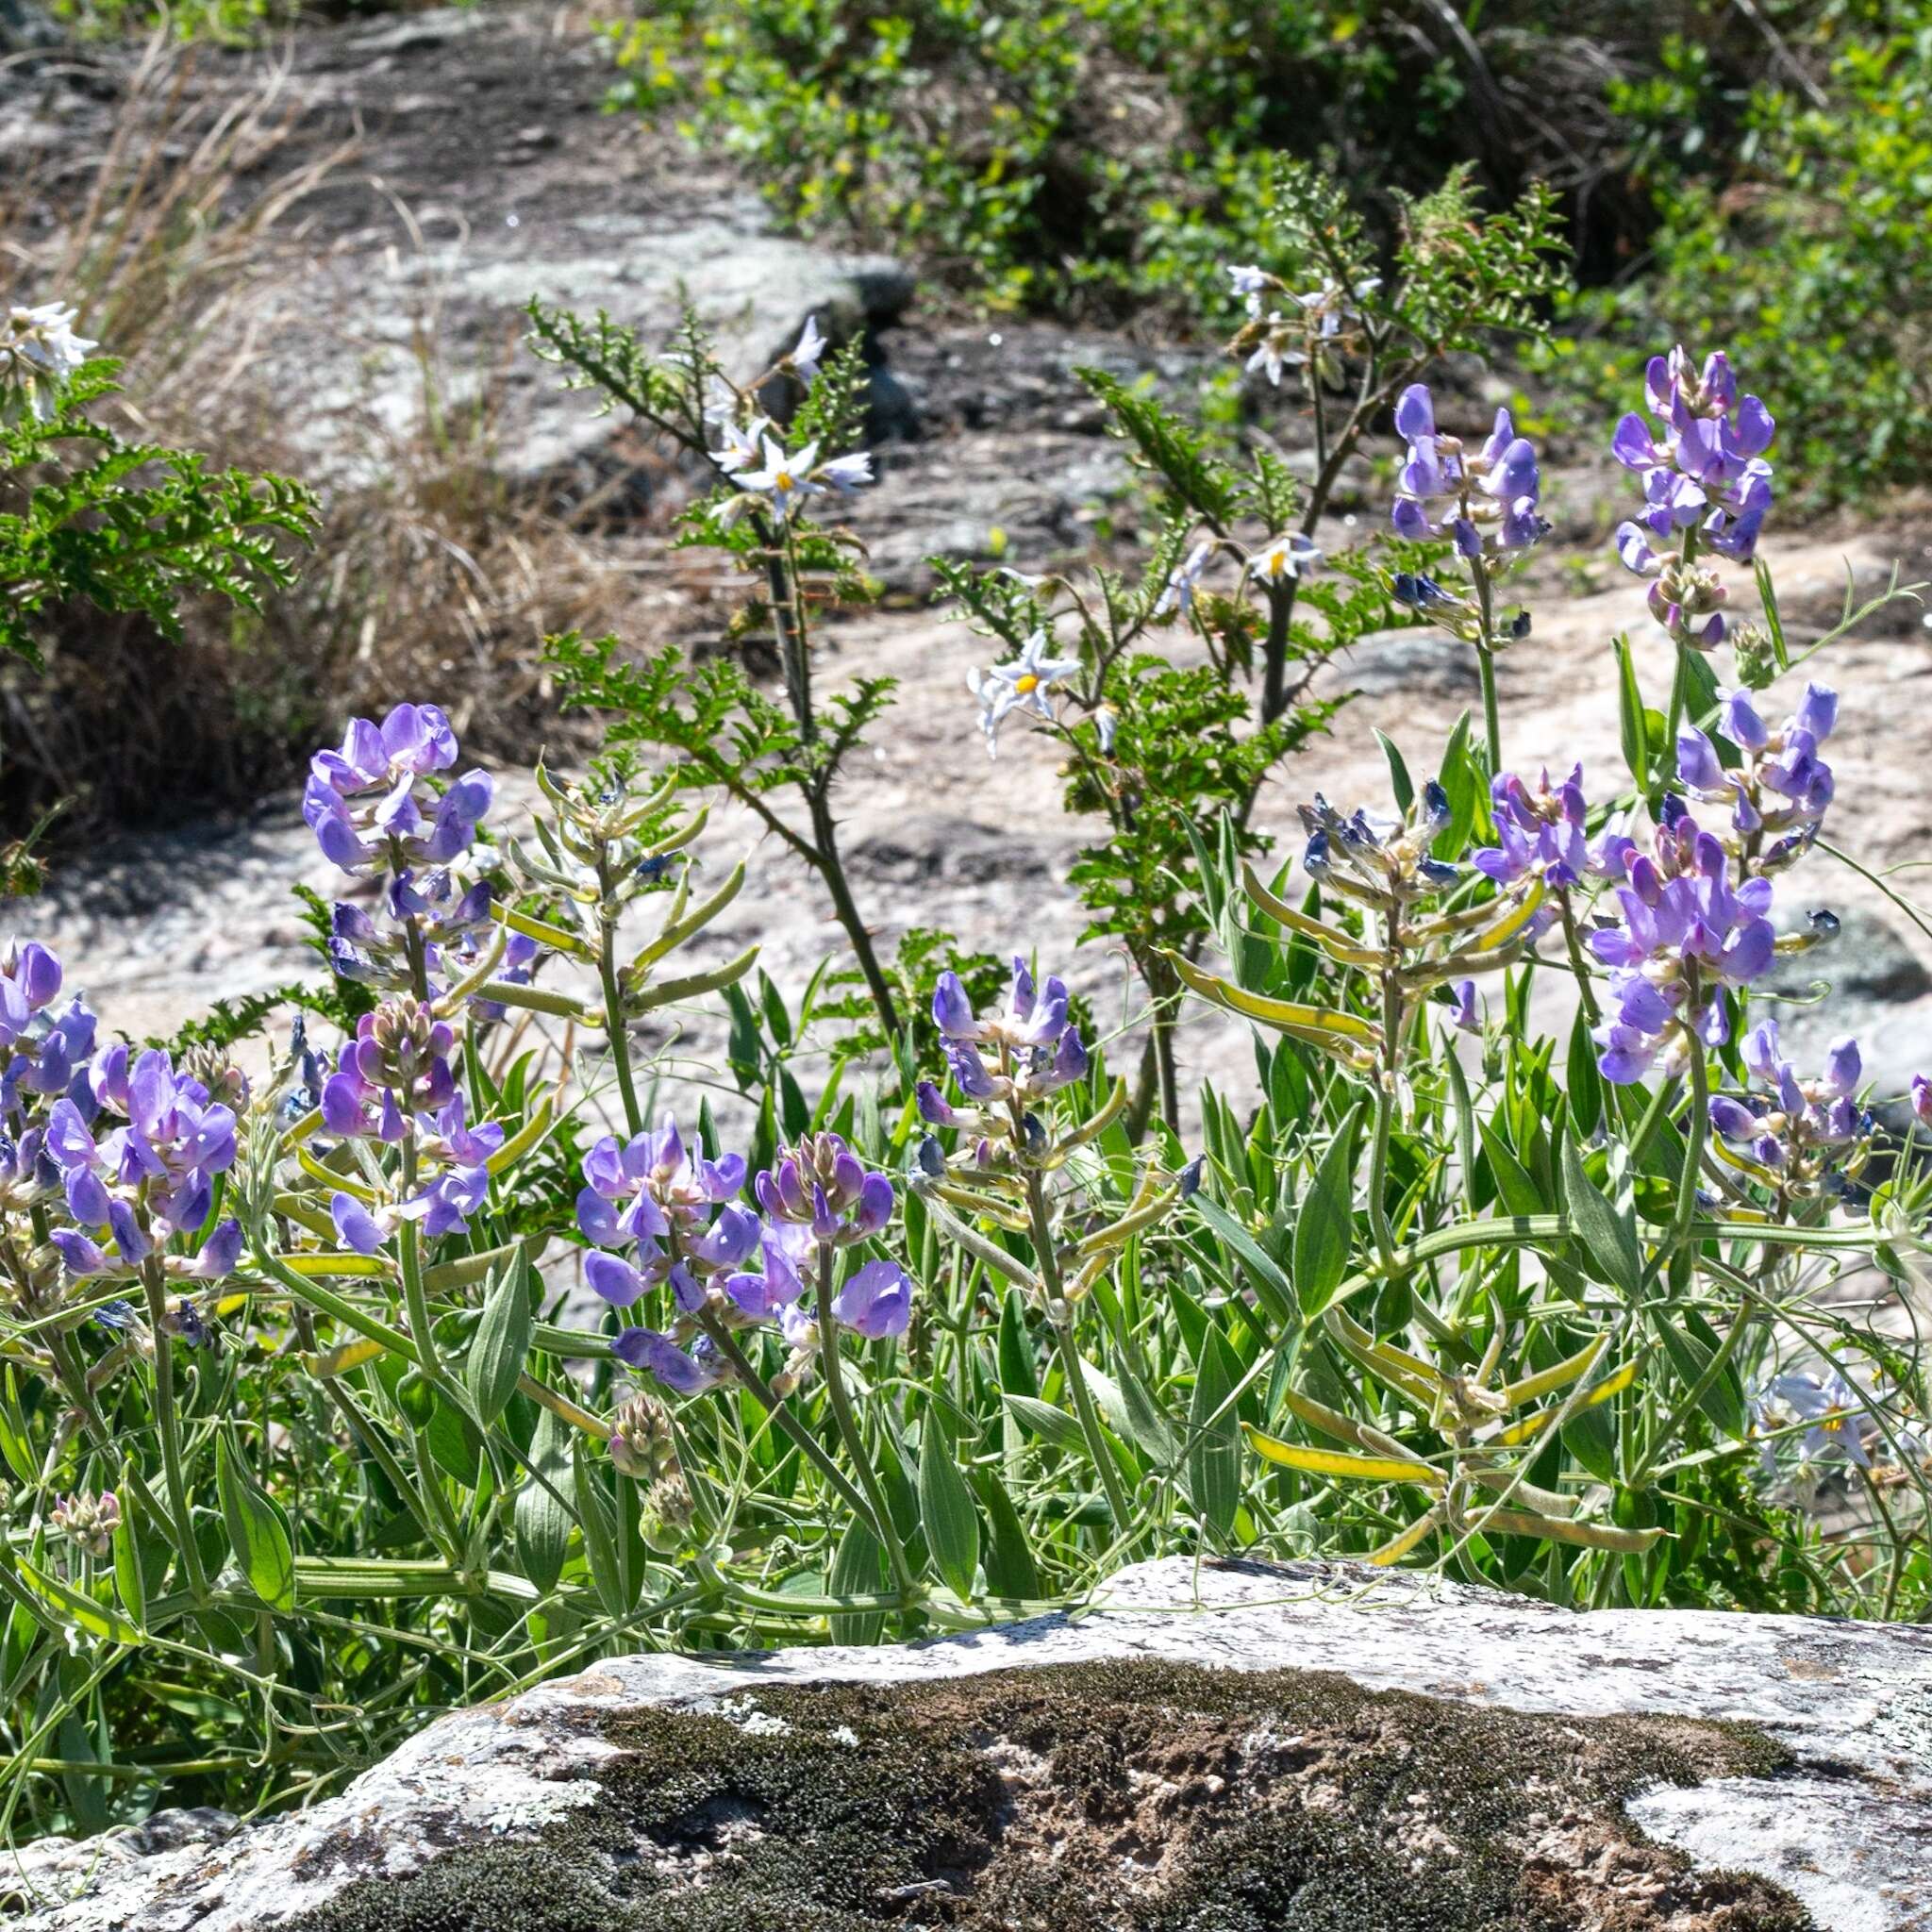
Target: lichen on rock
x,y
1144,1795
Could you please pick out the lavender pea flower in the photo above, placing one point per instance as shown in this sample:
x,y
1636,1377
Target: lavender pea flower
x,y
1686,934
1778,793
651,1195
822,1185
361,801
1486,502
876,1302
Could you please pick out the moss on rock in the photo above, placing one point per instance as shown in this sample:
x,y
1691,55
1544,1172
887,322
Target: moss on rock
x,y
1144,1796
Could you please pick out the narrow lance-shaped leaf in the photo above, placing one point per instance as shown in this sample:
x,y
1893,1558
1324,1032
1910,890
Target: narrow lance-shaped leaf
x,y
257,1531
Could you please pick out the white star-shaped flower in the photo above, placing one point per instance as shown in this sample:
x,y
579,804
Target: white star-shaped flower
x,y
1284,557
1024,683
1183,579
40,350
787,480
805,356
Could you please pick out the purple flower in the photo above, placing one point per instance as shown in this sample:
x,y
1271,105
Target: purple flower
x,y
1035,1046
41,1052
1701,463
1801,1129
356,1228
1486,503
1922,1100
876,1302
1466,1017
684,1371
1686,934
1779,792
651,1195
175,1143
362,804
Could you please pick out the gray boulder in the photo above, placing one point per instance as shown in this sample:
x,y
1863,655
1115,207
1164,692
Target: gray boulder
x,y
1227,1745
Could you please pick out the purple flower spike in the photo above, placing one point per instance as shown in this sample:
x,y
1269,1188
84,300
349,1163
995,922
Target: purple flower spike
x,y
1486,502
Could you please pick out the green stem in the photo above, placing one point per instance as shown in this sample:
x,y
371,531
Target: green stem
x,y
774,1405
1060,1319
615,1029
414,1295
1695,1127
168,1425
840,1400
1486,660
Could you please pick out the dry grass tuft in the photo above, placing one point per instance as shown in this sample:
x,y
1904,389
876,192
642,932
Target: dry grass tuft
x,y
185,238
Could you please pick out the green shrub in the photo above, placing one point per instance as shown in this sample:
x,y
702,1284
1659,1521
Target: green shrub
x,y
1097,152
1812,262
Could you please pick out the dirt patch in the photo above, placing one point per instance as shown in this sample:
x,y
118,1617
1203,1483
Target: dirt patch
x,y
1139,1796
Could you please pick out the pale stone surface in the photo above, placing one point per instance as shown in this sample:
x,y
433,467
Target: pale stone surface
x,y
1849,1832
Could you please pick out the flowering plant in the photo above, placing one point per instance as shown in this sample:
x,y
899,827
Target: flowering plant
x,y
419,1360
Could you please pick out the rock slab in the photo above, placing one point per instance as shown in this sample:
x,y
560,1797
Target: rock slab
x,y
1844,1828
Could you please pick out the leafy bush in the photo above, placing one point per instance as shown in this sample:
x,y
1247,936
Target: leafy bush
x,y
1097,152
1811,257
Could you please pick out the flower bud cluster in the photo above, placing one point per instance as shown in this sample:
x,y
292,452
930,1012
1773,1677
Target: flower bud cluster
x,y
89,1521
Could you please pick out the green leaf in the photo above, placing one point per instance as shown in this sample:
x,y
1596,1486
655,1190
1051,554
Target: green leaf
x,y
1461,782
1692,1344
1631,723
1018,1375
858,1569
1010,1571
948,1517
66,1602
1214,1461
257,1533
502,1342
1325,1226
1399,780
1585,1082
599,1526
1609,1238
542,1522
1272,1286
1050,1424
